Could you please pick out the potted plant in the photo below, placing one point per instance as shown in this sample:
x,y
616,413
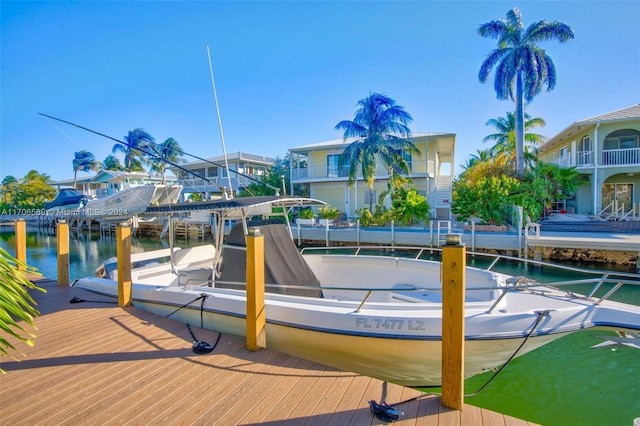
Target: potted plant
x,y
306,217
327,215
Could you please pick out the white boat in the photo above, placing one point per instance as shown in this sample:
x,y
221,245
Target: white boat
x,y
372,314
128,194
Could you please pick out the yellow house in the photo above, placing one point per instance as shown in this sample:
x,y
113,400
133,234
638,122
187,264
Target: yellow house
x,y
316,167
606,149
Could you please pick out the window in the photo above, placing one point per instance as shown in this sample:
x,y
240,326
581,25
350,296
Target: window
x,y
564,152
333,170
585,144
617,193
621,147
370,196
406,155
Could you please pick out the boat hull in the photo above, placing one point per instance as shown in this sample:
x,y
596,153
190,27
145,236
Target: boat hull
x,y
126,203
399,355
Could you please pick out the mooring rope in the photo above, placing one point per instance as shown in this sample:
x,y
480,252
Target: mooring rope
x,y
387,412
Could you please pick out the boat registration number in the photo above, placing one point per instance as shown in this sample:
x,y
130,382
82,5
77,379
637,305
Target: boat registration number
x,y
390,324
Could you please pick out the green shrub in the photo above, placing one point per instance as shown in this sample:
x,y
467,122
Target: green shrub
x,y
306,213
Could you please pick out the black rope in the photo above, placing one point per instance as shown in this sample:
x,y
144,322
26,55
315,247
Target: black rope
x,y
202,296
199,347
541,314
387,412
78,300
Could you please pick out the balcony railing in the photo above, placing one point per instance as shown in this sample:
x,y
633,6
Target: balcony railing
x,y
620,157
610,157
332,172
214,184
584,158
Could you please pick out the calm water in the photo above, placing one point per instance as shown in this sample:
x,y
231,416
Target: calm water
x,y
562,383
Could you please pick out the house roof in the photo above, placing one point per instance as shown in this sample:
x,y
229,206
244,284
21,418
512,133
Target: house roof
x,y
232,157
629,113
342,142
624,114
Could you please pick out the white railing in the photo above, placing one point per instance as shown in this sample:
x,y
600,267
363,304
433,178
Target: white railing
x,y
584,158
620,157
418,167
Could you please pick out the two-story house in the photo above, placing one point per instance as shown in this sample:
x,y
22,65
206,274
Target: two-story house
x,y
243,168
316,166
606,149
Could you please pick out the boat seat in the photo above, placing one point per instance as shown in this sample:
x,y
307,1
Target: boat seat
x,y
195,276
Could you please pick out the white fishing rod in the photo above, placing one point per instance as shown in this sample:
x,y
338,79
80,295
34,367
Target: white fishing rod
x,y
215,98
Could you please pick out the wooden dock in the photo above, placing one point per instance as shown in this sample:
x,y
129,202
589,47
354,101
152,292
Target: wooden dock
x,y
95,363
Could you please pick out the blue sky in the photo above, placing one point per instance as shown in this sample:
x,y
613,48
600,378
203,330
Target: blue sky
x,y
286,72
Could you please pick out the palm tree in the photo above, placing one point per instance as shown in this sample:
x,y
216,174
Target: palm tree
x,y
481,156
112,163
505,139
379,128
518,60
84,161
35,189
9,187
552,182
167,152
137,141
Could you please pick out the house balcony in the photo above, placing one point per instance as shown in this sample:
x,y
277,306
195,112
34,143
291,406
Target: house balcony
x,y
610,157
215,184
621,157
334,173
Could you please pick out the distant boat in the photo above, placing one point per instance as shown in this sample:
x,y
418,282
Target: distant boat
x,y
373,312
66,199
127,194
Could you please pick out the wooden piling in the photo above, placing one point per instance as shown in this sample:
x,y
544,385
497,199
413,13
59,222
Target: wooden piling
x,y
123,252
62,238
256,318
453,295
21,243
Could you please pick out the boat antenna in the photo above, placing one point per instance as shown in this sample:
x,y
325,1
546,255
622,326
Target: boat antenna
x,y
151,154
179,151
215,98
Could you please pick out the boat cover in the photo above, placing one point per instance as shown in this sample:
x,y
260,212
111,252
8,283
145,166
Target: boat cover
x,y
283,263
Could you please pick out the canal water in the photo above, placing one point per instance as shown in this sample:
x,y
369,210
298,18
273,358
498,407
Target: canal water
x,y
563,383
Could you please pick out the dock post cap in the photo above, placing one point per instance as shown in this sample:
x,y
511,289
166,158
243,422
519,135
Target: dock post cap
x,y
254,231
453,239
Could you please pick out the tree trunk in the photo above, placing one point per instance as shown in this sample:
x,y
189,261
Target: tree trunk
x,y
519,126
371,200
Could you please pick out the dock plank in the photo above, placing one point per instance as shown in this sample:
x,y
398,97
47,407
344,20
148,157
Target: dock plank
x,y
95,363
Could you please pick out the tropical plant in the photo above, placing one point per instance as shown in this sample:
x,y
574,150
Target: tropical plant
x,y
111,162
489,198
505,138
137,142
166,153
9,188
481,156
34,189
270,181
328,212
306,213
519,61
408,206
196,196
551,182
16,304
379,129
84,161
